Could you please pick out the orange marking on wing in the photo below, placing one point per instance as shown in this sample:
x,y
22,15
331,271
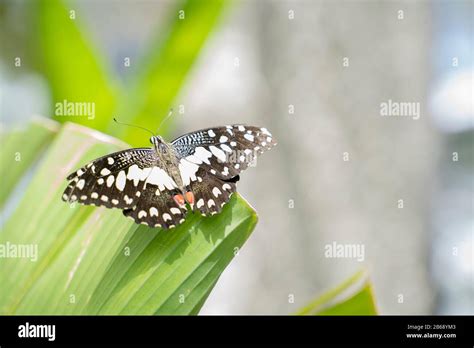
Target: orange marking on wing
x,y
179,199
190,197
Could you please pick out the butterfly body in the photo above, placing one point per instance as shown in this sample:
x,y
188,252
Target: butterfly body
x,y
166,155
156,186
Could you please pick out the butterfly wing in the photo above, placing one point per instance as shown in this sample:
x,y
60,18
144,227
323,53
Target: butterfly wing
x,y
133,180
211,193
157,210
211,160
136,181
224,151
108,181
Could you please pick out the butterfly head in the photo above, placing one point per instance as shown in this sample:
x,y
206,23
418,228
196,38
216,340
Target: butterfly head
x,y
158,143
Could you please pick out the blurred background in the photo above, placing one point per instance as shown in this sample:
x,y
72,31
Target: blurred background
x,y
316,74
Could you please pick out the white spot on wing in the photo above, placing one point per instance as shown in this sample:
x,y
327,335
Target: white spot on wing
x,y
161,179
226,148
153,211
121,180
200,203
211,133
110,180
166,217
216,192
249,137
188,171
127,199
134,173
80,184
175,211
202,154
104,172
194,159
218,153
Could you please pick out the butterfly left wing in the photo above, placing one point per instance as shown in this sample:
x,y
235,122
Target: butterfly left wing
x,y
211,193
133,180
223,151
111,181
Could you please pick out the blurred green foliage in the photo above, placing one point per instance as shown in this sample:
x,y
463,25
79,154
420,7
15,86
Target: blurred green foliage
x,y
353,297
95,261
77,72
80,240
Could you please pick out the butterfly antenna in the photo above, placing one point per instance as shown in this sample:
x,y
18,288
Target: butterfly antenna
x,y
132,125
165,119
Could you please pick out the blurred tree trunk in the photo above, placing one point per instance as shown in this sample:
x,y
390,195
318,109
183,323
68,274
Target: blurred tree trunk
x,y
336,111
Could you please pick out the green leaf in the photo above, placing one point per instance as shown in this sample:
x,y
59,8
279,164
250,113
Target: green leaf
x,y
166,66
94,261
20,148
174,272
71,64
76,72
41,218
353,297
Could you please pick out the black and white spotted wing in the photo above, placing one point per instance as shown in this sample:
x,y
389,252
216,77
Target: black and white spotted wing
x,y
157,210
155,186
211,193
132,180
104,180
224,151
213,158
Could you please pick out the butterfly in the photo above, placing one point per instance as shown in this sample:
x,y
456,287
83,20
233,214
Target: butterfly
x,y
158,186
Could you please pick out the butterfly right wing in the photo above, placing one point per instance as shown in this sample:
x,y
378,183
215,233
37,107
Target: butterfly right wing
x,y
223,151
157,208
133,180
